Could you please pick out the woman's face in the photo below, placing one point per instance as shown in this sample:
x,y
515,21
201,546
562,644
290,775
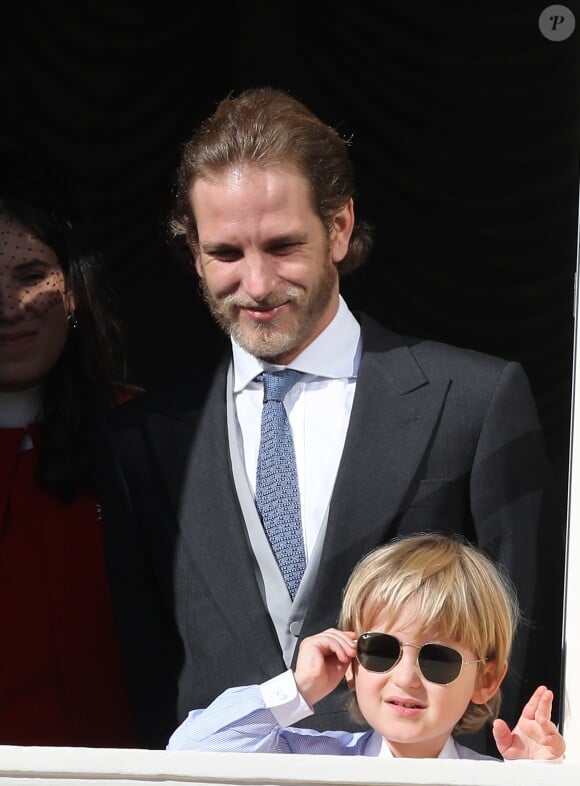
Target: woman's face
x,y
34,307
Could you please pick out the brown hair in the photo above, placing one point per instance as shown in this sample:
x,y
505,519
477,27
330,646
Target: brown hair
x,y
454,586
269,129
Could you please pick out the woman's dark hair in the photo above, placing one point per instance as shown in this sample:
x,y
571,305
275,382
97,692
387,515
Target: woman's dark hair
x,y
84,383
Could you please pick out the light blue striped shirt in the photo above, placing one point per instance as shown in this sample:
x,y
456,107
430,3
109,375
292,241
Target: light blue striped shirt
x,y
240,721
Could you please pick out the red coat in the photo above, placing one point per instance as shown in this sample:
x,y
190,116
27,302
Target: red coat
x,y
61,680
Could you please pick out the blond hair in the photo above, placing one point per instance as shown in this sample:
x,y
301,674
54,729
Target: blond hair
x,y
453,586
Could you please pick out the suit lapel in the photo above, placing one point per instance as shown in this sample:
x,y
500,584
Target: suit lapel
x,y
211,539
395,411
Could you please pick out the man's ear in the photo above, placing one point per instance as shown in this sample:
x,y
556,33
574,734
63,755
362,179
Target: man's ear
x,y
192,242
488,682
341,230
193,247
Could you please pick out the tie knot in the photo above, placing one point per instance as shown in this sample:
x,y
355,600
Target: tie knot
x,y
278,383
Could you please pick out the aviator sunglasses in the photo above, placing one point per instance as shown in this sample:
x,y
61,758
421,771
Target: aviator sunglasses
x,y
381,652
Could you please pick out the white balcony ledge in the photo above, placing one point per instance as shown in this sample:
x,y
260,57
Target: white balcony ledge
x,y
34,766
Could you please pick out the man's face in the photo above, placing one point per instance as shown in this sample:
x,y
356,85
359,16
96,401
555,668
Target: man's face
x,y
266,262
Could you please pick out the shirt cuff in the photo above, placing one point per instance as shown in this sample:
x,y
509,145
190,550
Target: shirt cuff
x,y
282,698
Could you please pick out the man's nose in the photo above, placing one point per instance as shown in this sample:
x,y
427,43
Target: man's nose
x,y
258,277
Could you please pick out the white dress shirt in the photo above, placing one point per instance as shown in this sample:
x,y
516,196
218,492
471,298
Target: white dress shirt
x,y
282,697
252,719
318,408
20,408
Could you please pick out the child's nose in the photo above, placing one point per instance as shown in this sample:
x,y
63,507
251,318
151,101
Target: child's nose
x,y
407,671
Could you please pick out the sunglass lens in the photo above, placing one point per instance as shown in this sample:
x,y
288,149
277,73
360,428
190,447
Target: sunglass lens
x,y
439,664
377,651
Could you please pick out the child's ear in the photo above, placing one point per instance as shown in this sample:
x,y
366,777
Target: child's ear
x,y
350,676
488,682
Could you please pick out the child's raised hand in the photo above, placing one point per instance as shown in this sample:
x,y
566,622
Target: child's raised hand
x,y
322,662
534,736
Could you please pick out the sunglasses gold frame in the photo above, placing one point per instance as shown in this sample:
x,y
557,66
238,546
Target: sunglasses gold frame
x,y
461,662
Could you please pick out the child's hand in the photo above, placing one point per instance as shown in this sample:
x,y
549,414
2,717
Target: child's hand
x,y
322,661
535,736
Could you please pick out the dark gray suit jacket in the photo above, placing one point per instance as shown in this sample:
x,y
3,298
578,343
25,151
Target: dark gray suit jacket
x,y
439,439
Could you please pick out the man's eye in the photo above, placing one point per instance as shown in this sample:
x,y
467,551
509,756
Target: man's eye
x,y
225,255
282,249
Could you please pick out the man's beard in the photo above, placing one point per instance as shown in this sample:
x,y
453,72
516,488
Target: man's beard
x,y
270,341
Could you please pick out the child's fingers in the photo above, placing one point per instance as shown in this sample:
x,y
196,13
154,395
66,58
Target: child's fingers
x,y
531,708
340,643
550,740
332,641
502,734
543,714
547,728
500,728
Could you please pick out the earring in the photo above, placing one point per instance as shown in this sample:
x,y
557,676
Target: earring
x,y
72,320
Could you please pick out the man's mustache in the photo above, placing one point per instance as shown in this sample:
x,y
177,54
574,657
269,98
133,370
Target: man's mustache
x,y
291,295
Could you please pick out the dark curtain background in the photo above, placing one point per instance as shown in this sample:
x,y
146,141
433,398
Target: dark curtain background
x,y
465,133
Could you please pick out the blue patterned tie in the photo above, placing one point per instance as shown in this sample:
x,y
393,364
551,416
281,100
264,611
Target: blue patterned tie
x,y
277,493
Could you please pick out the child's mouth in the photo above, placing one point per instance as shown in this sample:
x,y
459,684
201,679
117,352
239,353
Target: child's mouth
x,y
407,704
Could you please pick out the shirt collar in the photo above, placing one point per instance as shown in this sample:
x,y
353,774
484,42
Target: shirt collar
x,y
335,353
448,751
19,409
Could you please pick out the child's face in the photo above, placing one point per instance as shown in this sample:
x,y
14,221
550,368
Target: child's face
x,y
413,715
